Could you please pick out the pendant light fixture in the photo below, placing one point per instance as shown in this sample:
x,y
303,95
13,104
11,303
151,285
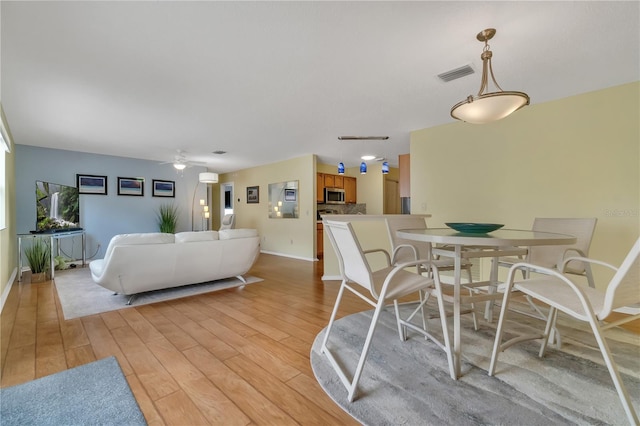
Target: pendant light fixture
x,y
363,168
385,168
488,106
341,168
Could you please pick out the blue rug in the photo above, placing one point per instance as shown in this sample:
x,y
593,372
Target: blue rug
x,y
92,394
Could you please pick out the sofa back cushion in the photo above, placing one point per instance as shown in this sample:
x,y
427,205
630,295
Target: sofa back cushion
x,y
194,236
136,239
229,234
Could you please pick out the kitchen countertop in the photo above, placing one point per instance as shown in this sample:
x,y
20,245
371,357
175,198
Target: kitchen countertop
x,y
352,217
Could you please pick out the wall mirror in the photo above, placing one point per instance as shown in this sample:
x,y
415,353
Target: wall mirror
x,y
283,200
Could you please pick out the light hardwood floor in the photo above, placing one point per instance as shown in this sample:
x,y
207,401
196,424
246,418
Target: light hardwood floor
x,y
238,356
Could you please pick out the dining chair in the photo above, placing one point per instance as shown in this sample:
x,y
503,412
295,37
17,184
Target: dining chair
x,y
228,221
584,303
404,250
553,256
377,288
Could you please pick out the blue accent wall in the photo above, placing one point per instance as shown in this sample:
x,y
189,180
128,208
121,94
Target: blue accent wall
x,y
103,216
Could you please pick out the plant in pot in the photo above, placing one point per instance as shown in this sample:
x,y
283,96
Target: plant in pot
x,y
38,256
168,218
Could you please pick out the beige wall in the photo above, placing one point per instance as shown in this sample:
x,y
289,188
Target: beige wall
x,y
289,237
8,256
575,157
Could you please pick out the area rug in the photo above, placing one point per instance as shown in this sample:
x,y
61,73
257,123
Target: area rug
x,y
80,296
408,383
92,394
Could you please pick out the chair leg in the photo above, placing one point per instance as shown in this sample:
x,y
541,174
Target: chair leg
x,y
613,371
551,324
445,331
499,330
333,316
365,351
402,330
473,305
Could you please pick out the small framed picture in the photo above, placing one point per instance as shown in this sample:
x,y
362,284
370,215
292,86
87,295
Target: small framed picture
x,y
91,184
131,186
163,188
290,195
253,194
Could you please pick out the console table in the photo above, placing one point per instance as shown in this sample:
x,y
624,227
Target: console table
x,y
54,238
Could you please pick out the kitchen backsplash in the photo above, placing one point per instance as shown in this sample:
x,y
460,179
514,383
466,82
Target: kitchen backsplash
x,y
342,209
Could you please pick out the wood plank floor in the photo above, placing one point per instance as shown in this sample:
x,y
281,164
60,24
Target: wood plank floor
x,y
238,356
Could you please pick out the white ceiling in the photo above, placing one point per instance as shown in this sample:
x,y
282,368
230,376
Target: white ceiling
x,y
267,81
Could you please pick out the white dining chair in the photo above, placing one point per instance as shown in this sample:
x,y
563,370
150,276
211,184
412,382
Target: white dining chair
x,y
404,250
553,256
584,303
377,288
228,222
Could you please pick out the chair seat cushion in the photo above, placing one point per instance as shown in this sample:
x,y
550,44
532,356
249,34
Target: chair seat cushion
x,y
403,282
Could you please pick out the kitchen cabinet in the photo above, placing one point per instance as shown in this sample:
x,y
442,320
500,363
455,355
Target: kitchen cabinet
x,y
319,240
326,180
350,190
405,175
320,188
329,181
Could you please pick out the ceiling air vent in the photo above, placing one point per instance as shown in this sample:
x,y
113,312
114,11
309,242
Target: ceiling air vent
x,y
219,152
456,73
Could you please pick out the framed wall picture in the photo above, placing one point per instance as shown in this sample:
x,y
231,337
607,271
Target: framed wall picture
x,y
253,194
290,195
91,184
163,188
131,186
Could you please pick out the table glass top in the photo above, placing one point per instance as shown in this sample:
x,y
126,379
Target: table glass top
x,y
500,237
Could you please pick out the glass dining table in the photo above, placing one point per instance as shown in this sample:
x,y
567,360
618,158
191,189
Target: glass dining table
x,y
465,245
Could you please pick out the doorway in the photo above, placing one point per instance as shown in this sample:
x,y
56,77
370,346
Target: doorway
x,y
226,199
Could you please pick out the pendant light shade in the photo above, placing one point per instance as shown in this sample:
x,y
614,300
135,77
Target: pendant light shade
x,y
340,168
385,168
208,177
486,107
363,168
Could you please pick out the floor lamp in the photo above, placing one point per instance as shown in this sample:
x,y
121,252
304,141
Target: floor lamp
x,y
205,177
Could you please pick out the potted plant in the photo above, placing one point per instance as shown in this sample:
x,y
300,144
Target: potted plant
x,y
38,255
168,218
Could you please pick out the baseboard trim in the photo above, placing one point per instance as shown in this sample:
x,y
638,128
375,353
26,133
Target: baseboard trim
x,y
289,256
7,288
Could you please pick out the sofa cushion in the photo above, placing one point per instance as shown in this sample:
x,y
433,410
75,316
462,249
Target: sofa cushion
x,y
229,234
140,238
193,236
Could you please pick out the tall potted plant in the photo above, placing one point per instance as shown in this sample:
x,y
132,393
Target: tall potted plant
x,y
38,256
168,218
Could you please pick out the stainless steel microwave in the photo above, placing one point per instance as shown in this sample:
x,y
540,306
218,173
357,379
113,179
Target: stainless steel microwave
x,y
334,196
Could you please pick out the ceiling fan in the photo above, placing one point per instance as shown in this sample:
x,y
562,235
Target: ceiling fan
x,y
180,161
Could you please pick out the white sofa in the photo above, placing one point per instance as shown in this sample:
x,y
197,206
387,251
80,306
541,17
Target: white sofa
x,y
135,263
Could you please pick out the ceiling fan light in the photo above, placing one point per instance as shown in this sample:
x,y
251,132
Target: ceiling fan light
x,y
208,177
179,166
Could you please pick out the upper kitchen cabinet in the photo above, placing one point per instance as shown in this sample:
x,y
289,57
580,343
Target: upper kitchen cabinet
x,y
350,190
320,188
405,175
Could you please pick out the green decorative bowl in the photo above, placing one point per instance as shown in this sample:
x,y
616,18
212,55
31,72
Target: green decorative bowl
x,y
474,228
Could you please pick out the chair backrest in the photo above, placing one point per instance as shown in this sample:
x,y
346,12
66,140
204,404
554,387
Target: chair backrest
x,y
624,287
394,223
550,256
353,264
228,221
